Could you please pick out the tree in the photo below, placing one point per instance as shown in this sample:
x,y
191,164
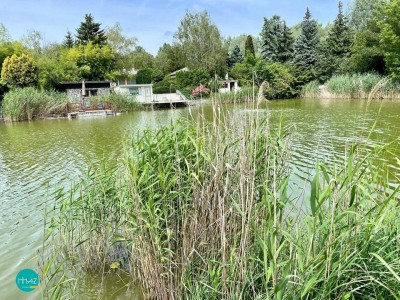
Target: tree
x,y
235,57
19,71
361,12
34,41
141,58
170,58
89,31
123,46
306,46
335,50
240,41
277,40
201,43
144,76
10,48
4,34
89,62
249,47
69,40
389,20
340,38
367,54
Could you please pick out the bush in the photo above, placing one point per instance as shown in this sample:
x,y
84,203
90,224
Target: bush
x,y
19,71
144,76
163,87
201,91
192,79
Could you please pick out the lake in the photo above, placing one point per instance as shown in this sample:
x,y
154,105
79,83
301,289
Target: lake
x,y
36,158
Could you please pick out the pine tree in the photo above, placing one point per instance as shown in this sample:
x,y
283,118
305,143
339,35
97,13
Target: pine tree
x,y
335,49
340,38
277,40
89,31
69,40
306,45
249,47
235,57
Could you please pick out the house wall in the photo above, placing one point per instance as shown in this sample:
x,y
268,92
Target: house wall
x,y
74,95
144,93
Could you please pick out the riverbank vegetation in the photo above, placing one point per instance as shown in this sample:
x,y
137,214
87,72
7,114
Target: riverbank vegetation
x,y
361,40
30,103
355,86
207,212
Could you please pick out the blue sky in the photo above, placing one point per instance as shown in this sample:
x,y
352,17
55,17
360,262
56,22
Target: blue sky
x,y
154,22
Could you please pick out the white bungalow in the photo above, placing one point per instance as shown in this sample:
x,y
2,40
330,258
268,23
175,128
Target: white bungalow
x,y
229,86
143,92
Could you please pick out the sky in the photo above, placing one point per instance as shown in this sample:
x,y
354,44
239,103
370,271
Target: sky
x,y
154,22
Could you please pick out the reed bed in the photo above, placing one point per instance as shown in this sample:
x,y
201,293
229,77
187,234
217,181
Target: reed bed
x,y
199,210
244,95
124,103
311,90
360,86
30,103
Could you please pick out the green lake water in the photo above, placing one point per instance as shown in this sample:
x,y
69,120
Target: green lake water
x,y
36,158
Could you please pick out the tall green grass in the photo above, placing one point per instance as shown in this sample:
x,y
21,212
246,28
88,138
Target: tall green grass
x,y
206,212
360,86
244,95
311,90
30,103
123,103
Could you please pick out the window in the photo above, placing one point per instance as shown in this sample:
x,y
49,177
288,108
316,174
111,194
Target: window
x,y
134,91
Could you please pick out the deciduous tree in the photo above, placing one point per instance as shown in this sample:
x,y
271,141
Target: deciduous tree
x,y
201,43
389,20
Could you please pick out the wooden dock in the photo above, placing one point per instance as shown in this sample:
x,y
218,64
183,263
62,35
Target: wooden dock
x,y
90,113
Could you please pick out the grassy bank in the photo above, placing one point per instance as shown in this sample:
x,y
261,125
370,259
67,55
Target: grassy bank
x,y
30,103
355,86
205,212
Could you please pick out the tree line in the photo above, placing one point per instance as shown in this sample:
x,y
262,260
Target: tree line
x,y
365,39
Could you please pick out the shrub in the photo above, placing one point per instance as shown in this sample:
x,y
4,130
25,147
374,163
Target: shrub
x,y
201,91
192,79
19,71
163,87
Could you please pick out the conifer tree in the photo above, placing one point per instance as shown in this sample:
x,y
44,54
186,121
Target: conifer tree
x,y
335,49
277,40
235,57
69,40
89,31
249,47
305,51
340,38
306,45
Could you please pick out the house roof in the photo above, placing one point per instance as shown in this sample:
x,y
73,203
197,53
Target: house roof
x,y
180,70
77,85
